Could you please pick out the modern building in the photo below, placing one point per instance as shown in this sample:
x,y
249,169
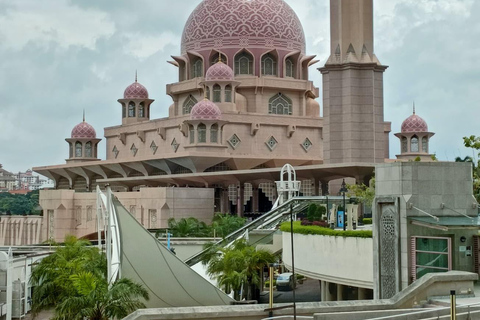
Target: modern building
x,y
7,180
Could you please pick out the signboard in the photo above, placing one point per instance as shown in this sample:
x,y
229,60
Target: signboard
x,y
340,219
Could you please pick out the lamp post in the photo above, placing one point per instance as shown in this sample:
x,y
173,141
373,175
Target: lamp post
x,y
343,189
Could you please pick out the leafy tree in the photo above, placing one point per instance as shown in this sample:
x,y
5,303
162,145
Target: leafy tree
x,y
224,224
21,205
73,281
315,212
188,227
364,194
237,266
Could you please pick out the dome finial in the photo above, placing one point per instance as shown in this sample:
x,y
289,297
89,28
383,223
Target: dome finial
x,y
220,57
83,115
414,107
135,75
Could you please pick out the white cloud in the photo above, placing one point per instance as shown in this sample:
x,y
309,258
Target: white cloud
x,y
145,46
46,21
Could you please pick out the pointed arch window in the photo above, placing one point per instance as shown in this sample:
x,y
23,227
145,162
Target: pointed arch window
x,y
70,147
216,58
214,133
228,93
289,68
217,93
202,133
192,134
141,110
269,65
414,144
280,104
188,104
78,149
131,109
197,68
404,144
425,144
88,149
243,64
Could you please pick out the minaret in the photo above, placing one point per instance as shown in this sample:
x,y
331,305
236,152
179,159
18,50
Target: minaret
x,y
135,103
354,128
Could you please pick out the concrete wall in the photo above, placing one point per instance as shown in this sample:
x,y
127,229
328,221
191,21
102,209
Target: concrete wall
x,y
346,261
74,213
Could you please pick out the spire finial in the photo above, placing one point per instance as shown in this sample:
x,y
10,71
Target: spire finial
x,y
83,115
135,75
220,57
413,107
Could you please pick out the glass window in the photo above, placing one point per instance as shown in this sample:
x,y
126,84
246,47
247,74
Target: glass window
x,y
280,104
78,149
88,149
197,68
228,93
141,110
269,65
192,134
243,63
431,254
214,133
289,66
70,147
202,133
414,144
404,144
188,104
217,93
131,109
124,110
425,144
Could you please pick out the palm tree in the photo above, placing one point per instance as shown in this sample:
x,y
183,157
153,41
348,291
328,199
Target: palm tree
x,y
189,227
76,275
224,224
237,266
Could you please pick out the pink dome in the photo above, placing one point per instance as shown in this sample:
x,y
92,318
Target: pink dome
x,y
414,124
219,71
243,24
83,130
135,91
205,110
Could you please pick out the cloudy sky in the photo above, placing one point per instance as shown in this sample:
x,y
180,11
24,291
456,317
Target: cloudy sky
x,y
58,57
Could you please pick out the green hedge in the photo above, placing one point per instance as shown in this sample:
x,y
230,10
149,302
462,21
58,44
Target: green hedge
x,y
298,228
367,220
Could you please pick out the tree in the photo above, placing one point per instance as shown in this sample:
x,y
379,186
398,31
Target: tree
x,y
365,194
187,227
224,224
73,281
237,266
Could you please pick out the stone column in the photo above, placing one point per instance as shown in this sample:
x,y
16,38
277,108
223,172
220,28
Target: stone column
x,y
339,292
240,197
323,290
324,187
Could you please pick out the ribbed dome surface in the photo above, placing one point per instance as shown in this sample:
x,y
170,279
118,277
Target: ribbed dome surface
x,y
219,71
135,91
414,124
205,110
243,24
83,130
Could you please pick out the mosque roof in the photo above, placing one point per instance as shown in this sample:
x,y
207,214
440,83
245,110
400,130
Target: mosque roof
x,y
219,71
243,24
205,110
414,124
135,91
83,130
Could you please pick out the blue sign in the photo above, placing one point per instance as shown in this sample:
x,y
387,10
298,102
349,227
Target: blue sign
x,y
340,219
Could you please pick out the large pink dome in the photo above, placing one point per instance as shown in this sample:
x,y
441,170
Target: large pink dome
x,y
83,131
243,24
135,91
219,71
414,124
205,110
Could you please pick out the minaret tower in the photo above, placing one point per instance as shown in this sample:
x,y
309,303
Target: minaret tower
x,y
354,128
135,103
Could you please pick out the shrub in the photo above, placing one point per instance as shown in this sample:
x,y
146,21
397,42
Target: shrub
x,y
315,212
306,222
323,224
315,230
267,283
367,220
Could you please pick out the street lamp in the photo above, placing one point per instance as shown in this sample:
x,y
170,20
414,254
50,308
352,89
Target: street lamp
x,y
343,189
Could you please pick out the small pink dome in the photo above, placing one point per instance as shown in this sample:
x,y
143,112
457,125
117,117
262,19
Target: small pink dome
x,y
414,124
205,110
83,130
135,91
219,71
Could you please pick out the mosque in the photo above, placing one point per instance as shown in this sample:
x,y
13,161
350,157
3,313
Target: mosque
x,y
243,106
